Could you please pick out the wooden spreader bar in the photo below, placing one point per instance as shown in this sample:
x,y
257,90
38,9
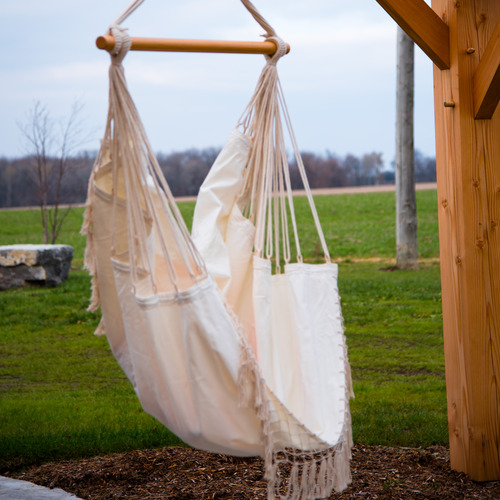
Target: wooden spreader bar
x,y
107,42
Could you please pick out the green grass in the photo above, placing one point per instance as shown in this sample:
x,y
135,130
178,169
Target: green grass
x,y
394,332
24,226
63,396
362,226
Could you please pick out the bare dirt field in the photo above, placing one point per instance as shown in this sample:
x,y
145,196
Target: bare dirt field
x,y
382,188
326,191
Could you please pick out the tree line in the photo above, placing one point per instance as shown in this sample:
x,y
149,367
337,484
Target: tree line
x,y
186,170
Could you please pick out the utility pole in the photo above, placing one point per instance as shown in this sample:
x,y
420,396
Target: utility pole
x,y
406,206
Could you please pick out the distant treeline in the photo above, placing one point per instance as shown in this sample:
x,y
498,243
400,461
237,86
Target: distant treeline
x,y
186,170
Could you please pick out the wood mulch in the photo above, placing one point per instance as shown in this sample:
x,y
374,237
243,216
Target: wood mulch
x,y
184,474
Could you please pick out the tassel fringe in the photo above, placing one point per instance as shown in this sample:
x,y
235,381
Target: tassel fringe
x,y
293,474
90,259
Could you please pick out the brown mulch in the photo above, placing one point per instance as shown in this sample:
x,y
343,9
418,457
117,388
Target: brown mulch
x,y
184,474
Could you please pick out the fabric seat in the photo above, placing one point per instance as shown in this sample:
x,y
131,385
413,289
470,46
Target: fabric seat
x,y
229,341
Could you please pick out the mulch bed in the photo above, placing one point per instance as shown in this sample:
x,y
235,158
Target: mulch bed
x,y
184,474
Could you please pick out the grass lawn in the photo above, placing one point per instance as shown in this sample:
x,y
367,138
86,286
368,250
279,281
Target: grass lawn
x,y
62,395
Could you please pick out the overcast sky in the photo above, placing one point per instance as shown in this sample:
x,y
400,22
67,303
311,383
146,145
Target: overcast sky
x,y
339,78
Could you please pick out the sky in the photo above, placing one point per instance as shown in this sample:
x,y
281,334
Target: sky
x,y
339,78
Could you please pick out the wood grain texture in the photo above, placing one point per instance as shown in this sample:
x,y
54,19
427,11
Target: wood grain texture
x,y
468,161
423,26
487,78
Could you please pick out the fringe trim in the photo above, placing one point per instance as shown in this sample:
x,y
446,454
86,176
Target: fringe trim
x,y
100,330
312,474
90,259
292,474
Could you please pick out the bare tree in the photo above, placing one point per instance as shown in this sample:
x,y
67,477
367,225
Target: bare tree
x,y
406,206
50,145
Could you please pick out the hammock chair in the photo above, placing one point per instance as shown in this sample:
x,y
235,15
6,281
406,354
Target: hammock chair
x,y
228,355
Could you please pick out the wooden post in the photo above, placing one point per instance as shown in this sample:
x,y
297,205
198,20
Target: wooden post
x,y
487,78
468,175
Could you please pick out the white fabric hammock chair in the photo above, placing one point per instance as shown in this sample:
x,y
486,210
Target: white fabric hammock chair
x,y
228,356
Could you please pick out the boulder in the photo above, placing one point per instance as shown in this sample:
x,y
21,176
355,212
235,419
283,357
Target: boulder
x,y
46,265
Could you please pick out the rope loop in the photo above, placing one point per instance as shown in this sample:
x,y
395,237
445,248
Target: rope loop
x,y
280,49
270,33
122,45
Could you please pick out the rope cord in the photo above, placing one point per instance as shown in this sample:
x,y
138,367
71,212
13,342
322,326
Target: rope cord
x,y
267,189
264,193
127,12
259,18
302,171
262,121
150,203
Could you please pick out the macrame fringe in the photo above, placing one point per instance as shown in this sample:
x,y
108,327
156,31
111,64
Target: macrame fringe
x,y
310,475
90,259
291,474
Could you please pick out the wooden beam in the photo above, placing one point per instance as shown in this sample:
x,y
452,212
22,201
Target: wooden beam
x,y
487,78
107,42
423,26
468,180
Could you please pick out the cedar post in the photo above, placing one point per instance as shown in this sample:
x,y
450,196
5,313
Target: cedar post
x,y
462,37
468,174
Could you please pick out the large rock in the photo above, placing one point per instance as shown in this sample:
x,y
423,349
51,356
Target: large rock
x,y
46,265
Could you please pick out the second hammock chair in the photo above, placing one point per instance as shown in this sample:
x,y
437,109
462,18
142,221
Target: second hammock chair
x,y
229,356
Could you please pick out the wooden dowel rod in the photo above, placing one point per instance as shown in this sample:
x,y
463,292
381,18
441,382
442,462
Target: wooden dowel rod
x,y
107,42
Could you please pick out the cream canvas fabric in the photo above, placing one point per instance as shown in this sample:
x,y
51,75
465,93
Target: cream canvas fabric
x,y
243,226
292,320
179,348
